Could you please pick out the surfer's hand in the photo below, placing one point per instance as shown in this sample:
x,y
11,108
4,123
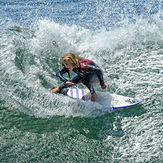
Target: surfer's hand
x,y
104,86
71,83
93,97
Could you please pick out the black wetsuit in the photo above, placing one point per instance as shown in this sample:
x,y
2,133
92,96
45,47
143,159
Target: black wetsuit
x,y
87,74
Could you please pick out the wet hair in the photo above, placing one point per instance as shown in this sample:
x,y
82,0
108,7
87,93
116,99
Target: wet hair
x,y
70,57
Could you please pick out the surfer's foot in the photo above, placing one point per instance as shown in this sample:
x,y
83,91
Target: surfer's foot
x,y
55,90
93,97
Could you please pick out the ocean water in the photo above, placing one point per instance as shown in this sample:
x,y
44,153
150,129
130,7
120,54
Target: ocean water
x,y
125,38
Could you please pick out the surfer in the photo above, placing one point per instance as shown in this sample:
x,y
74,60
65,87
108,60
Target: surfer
x,y
87,73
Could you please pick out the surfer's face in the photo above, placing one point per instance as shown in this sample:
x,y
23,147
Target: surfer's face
x,y
69,66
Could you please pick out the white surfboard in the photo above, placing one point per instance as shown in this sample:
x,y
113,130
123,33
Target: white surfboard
x,y
106,99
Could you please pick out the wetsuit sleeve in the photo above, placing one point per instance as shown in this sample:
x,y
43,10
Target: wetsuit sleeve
x,y
94,68
60,73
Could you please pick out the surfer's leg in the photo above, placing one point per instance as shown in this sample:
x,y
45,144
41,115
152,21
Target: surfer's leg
x,y
75,79
89,85
62,86
59,88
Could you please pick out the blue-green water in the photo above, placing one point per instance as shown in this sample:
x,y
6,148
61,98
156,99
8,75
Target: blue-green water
x,y
124,37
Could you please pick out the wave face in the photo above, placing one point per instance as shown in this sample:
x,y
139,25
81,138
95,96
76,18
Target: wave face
x,y
125,38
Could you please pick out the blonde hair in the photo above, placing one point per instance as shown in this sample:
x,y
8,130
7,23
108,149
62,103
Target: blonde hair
x,y
70,57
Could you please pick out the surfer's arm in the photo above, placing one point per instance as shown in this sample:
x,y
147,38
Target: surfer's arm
x,y
60,73
94,68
